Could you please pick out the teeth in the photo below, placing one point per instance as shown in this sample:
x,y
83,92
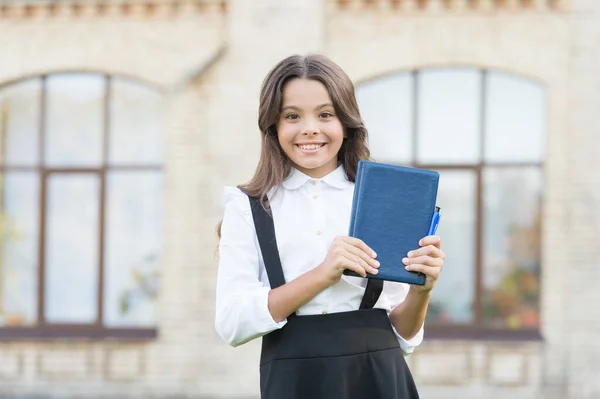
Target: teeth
x,y
310,146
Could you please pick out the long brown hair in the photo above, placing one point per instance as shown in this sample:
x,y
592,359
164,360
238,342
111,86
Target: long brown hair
x,y
273,165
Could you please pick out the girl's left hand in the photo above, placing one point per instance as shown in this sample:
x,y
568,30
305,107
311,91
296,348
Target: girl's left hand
x,y
428,259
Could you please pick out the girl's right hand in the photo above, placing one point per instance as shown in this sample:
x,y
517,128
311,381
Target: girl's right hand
x,y
348,253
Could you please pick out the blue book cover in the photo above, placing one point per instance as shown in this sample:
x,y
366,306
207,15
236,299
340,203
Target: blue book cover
x,y
392,210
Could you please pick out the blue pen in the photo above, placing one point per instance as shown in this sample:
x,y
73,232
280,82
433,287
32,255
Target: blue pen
x,y
434,221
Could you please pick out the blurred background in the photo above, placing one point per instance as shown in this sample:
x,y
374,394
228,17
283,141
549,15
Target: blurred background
x,y
121,121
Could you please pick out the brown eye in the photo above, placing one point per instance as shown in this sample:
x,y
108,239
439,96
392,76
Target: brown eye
x,y
326,115
291,116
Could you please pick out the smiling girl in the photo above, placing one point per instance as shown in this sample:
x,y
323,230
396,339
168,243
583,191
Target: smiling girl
x,y
284,246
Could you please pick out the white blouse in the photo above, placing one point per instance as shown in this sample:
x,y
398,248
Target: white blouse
x,y
308,214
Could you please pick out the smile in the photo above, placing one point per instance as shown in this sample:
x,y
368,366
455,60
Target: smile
x,y
310,147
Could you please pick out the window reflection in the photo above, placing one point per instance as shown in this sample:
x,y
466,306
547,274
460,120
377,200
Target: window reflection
x,y
133,248
72,248
20,123
515,119
449,116
452,299
135,124
19,229
386,107
512,247
74,120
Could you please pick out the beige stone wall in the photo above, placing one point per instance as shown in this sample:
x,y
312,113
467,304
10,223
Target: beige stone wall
x,y
210,65
583,194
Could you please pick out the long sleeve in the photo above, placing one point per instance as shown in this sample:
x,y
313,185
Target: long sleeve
x,y
396,293
242,312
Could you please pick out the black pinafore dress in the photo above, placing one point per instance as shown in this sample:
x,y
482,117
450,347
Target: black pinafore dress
x,y
346,355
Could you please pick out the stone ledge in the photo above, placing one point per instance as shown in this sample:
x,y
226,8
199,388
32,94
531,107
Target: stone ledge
x,y
39,9
433,6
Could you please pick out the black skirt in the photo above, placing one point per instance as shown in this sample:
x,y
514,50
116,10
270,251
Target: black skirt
x,y
348,355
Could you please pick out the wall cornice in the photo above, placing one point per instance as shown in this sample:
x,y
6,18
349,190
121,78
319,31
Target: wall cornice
x,y
28,9
433,6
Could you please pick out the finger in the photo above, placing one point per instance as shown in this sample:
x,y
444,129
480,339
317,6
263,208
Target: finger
x,y
358,261
356,242
431,240
358,252
355,266
429,271
424,260
430,250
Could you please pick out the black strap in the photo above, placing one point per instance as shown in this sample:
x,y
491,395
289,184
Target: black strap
x,y
265,232
372,293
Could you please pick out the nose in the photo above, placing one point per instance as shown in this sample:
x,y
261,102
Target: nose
x,y
311,127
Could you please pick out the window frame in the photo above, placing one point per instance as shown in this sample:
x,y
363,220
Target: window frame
x,y
97,330
475,330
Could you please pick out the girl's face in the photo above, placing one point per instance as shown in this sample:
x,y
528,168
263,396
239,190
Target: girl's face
x,y
308,129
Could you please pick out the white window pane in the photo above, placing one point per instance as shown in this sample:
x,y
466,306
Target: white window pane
x,y
515,119
135,124
133,247
19,257
74,120
453,297
511,264
386,106
449,115
20,123
72,229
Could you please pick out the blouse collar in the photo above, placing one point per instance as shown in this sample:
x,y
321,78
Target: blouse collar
x,y
336,179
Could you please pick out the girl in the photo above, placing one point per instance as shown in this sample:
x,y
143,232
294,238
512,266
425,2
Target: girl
x,y
284,245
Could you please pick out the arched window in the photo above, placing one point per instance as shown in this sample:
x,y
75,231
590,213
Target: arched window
x,y
484,131
81,160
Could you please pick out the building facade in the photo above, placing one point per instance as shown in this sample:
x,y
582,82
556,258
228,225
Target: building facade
x,y
122,121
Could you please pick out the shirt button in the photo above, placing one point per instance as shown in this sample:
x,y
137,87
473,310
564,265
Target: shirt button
x,y
315,196
324,312
318,232
313,182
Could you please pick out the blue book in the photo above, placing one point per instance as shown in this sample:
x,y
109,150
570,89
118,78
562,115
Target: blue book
x,y
393,208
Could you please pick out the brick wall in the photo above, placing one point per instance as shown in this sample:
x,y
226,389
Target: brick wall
x,y
210,66
583,193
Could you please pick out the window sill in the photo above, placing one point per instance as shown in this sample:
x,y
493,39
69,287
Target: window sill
x,y
76,332
480,334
